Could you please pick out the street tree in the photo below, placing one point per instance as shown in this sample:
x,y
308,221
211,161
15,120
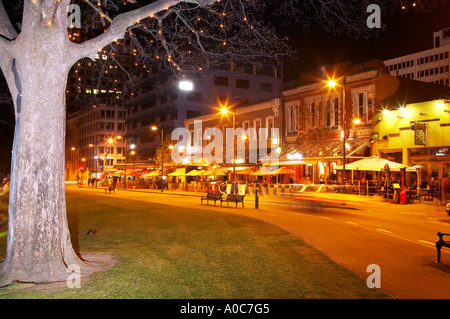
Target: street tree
x,y
35,61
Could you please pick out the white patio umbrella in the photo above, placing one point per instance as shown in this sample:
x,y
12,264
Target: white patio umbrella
x,y
372,164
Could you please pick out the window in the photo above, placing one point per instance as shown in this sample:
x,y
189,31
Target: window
x,y
245,125
370,102
257,125
313,113
266,87
364,105
269,125
336,111
221,80
291,121
328,113
361,106
194,96
191,133
242,84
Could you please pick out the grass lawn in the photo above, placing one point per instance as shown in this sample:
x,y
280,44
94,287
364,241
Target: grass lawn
x,y
170,252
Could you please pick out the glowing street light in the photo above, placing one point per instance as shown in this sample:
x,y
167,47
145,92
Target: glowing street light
x,y
331,83
185,85
356,121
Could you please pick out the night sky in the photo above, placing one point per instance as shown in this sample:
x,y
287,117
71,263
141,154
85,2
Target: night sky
x,y
406,31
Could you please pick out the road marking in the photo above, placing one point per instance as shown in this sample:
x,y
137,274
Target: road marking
x,y
325,217
426,242
352,223
384,230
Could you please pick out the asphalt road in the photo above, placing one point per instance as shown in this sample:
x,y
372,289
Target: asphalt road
x,y
398,238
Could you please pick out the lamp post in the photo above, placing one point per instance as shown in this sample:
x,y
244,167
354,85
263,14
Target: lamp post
x,y
132,146
155,128
95,160
332,84
224,110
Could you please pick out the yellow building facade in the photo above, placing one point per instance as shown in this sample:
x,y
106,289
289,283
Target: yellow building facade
x,y
416,134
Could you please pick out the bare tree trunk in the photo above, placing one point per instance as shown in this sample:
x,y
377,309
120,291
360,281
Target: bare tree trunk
x,y
39,245
39,248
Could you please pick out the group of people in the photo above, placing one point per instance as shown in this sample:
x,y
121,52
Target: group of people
x,y
92,182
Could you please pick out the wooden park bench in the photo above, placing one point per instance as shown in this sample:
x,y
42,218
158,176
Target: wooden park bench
x,y
111,189
441,243
233,198
211,197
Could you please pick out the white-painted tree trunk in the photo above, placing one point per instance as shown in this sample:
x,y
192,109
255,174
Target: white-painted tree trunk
x,y
39,246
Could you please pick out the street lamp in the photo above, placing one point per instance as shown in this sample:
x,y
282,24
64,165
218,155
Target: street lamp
x,y
224,111
75,167
331,83
95,160
154,128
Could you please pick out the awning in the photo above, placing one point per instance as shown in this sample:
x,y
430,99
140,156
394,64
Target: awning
x,y
284,171
304,153
292,163
193,173
245,171
215,172
154,173
372,164
133,174
263,171
178,172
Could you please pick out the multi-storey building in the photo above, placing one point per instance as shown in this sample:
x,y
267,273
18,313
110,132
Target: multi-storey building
x,y
163,103
95,140
329,113
257,132
417,135
429,66
95,108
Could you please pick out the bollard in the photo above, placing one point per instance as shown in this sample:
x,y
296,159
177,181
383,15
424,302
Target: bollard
x,y
256,199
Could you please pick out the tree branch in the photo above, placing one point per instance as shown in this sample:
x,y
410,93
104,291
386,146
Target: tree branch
x,y
8,34
117,29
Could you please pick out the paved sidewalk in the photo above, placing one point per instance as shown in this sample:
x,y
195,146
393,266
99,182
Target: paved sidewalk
x,y
336,198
